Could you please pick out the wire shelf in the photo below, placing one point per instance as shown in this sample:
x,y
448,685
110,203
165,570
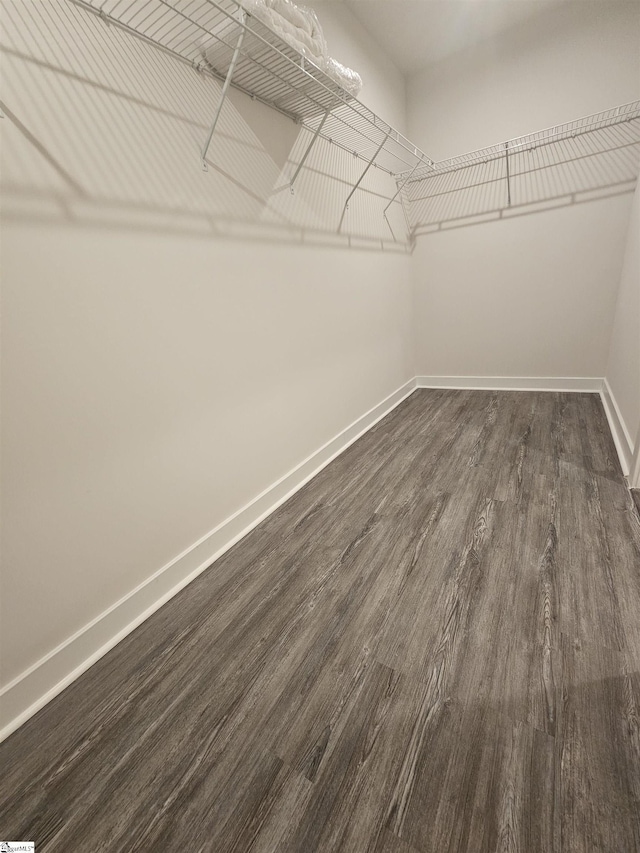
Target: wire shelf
x,y
206,33
569,130
340,146
600,152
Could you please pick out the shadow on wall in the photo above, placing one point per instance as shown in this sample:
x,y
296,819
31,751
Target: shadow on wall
x,y
103,129
593,161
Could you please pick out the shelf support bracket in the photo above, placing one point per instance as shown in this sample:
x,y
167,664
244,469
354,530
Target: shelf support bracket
x,y
506,157
401,187
359,181
308,151
390,228
397,193
225,87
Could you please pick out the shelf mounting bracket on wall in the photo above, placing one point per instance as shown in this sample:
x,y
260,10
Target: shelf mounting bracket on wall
x,y
308,150
225,87
506,157
359,181
397,193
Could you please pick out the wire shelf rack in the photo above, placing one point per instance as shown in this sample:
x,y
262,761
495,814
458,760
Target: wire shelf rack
x,y
354,175
568,130
594,153
209,33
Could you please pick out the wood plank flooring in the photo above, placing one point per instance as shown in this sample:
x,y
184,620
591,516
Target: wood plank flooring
x,y
434,646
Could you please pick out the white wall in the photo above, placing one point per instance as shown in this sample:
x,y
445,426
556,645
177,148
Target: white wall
x,y
623,366
157,376
570,60
532,295
525,297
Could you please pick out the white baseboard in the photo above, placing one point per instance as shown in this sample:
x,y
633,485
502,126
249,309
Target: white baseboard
x,y
621,436
513,383
32,689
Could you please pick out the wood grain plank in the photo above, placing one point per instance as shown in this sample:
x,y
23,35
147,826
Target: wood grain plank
x,y
589,587
598,750
477,782
347,808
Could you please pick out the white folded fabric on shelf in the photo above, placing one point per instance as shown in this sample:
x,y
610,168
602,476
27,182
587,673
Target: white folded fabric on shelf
x,y
297,26
345,77
300,28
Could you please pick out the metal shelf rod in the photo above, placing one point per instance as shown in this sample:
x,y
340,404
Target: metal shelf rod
x,y
308,149
506,159
359,181
223,94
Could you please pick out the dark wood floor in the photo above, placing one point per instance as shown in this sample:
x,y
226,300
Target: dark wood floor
x,y
434,646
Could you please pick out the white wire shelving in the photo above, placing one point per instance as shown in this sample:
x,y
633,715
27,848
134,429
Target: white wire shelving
x,y
595,152
220,38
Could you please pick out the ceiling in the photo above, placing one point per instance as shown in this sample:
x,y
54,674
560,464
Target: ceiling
x,y
415,33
